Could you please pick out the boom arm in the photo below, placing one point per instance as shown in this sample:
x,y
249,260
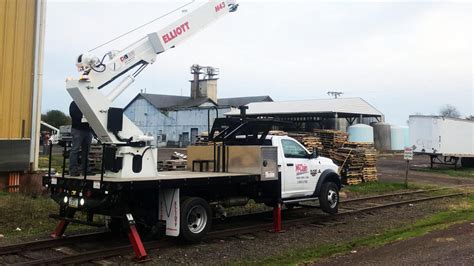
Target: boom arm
x,y
98,73
144,51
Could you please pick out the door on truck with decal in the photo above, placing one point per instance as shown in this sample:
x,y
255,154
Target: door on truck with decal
x,y
296,168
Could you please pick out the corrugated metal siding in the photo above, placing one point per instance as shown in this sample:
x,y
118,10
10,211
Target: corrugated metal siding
x,y
173,124
17,30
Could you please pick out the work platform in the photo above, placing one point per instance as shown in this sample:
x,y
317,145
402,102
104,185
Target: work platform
x,y
164,175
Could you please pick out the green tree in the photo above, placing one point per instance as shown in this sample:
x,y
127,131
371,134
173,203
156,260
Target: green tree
x,y
56,118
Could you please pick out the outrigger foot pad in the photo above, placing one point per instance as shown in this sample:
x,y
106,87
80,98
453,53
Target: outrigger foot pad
x,y
135,240
60,229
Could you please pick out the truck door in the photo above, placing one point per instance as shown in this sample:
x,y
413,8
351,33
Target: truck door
x,y
296,170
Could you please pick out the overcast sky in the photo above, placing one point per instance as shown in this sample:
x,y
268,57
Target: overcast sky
x,y
402,57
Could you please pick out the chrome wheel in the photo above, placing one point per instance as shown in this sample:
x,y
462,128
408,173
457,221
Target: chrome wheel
x,y
196,219
332,198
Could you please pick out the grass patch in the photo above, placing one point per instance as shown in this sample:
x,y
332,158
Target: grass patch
x,y
457,214
28,214
56,162
378,187
461,172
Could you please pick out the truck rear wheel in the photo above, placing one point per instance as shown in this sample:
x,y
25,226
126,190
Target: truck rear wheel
x,y
467,162
329,197
195,219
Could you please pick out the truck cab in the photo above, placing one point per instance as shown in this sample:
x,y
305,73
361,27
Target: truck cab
x,y
305,175
300,169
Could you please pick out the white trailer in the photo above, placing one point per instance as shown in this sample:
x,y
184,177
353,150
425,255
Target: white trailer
x,y
445,140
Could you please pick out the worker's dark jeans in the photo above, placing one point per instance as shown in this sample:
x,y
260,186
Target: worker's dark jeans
x,y
81,140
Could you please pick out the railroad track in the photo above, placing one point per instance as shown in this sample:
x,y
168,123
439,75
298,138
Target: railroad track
x,y
365,205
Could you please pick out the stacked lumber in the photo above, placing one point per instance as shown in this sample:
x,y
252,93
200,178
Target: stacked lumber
x,y
277,133
173,165
357,162
177,156
312,142
331,140
299,136
309,140
202,139
95,158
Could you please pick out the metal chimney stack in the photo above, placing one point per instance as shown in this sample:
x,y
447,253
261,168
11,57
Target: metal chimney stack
x,y
243,111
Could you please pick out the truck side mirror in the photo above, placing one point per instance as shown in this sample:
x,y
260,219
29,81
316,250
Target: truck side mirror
x,y
315,153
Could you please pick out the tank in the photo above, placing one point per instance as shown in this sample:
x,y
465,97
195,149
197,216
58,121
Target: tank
x,y
406,136
397,138
382,139
361,133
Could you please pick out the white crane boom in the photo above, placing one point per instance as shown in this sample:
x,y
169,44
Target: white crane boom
x,y
109,124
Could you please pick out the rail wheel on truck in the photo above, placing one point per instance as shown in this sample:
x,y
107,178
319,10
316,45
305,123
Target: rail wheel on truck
x,y
467,162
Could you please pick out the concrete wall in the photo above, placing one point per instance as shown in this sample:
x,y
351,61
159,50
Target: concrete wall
x,y
170,127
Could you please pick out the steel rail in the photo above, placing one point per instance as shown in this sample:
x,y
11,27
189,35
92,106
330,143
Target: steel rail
x,y
394,194
164,243
49,243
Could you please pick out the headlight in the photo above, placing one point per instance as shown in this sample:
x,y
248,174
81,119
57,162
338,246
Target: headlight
x,y
81,202
65,199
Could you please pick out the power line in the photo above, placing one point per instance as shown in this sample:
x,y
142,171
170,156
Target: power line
x,y
139,27
335,93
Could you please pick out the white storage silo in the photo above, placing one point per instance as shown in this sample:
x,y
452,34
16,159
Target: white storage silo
x,y
397,138
361,133
406,135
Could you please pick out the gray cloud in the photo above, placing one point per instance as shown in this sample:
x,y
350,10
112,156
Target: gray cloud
x,y
402,57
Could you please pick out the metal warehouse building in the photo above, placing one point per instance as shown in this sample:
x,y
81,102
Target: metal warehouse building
x,y
178,120
323,113
21,39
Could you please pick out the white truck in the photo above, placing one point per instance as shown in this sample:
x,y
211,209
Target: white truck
x,y
272,170
444,139
243,162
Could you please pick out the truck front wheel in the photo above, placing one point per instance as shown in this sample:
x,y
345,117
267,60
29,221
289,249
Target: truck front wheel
x,y
195,219
329,197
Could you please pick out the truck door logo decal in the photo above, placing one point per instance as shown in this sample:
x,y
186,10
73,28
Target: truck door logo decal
x,y
314,172
301,169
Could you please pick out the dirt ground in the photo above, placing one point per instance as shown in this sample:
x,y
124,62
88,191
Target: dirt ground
x,y
454,245
254,247
392,168
264,244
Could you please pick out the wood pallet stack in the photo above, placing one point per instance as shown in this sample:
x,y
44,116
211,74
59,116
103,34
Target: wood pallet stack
x,y
299,136
277,133
202,139
174,165
177,156
357,161
95,158
309,140
331,140
312,142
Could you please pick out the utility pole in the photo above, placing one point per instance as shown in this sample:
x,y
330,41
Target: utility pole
x,y
335,93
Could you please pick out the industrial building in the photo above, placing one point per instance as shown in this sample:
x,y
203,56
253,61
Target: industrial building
x,y
21,36
317,114
178,120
